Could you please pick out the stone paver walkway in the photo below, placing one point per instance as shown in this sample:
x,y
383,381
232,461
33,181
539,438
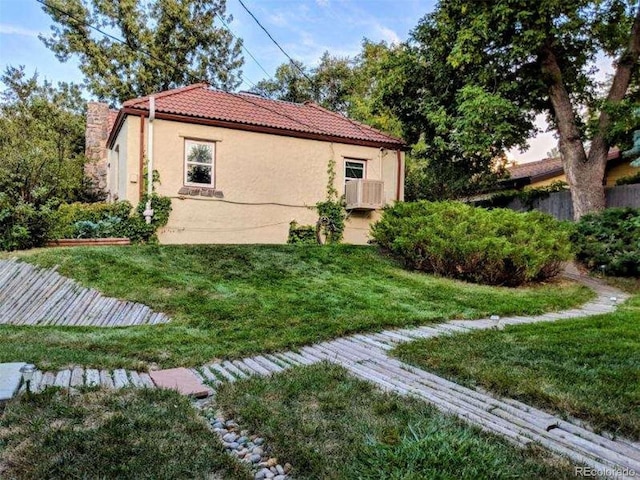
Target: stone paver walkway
x,y
30,295
10,377
365,356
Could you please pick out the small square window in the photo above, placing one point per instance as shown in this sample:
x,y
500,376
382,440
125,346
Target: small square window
x,y
199,159
354,169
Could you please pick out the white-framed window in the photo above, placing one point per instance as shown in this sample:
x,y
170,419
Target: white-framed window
x,y
199,158
354,169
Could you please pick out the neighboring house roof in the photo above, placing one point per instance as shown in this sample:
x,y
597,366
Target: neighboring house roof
x,y
200,104
546,168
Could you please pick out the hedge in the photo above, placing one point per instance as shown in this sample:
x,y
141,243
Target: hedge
x,y
495,247
609,242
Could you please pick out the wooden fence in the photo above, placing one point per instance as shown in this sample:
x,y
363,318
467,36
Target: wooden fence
x,y
559,204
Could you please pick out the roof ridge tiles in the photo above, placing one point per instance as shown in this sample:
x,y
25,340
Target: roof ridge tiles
x,y
164,94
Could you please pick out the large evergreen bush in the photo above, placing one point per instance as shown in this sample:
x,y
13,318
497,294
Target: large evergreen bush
x,y
496,247
609,241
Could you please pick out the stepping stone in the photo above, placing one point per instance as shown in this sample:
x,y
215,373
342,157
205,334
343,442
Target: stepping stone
x,y
10,378
93,377
181,379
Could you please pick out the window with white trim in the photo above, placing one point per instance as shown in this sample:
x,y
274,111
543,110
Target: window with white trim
x,y
354,169
198,163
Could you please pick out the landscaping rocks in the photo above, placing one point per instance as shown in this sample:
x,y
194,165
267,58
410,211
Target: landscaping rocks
x,y
249,449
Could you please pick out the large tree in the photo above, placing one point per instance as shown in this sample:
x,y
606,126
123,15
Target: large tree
x,y
167,44
458,127
540,56
328,84
290,83
41,155
41,139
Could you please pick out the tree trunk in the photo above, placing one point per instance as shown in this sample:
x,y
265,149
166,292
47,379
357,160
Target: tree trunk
x,y
585,174
585,177
599,150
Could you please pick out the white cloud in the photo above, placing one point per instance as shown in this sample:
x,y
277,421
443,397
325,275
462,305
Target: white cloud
x,y
387,34
322,3
7,29
278,19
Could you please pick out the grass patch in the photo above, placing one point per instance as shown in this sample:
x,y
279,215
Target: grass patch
x,y
233,301
126,435
587,368
330,425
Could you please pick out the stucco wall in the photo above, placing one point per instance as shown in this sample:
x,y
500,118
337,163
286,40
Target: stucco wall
x,y
620,171
548,181
613,174
266,180
123,182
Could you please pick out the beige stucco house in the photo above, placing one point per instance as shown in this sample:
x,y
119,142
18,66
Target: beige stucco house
x,y
239,168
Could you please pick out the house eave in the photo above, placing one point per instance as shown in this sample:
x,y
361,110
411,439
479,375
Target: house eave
x,y
115,130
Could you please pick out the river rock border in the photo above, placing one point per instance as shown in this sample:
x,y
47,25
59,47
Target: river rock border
x,y
248,448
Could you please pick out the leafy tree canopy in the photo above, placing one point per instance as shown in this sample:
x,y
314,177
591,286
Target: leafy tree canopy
x,y
539,57
167,44
341,84
41,156
41,139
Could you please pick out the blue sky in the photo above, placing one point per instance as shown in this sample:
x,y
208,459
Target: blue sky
x,y
305,29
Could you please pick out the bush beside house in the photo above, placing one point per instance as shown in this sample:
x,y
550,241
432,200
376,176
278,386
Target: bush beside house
x,y
23,226
117,219
629,180
496,247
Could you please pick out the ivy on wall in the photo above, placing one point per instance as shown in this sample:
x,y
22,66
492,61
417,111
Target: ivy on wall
x,y
331,217
331,212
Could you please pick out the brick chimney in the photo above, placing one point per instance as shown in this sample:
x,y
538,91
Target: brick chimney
x,y
96,136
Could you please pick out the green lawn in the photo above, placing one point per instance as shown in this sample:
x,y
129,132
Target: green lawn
x,y
587,368
133,435
233,301
330,425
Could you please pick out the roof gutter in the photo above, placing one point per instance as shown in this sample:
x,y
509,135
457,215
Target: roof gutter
x,y
141,159
398,174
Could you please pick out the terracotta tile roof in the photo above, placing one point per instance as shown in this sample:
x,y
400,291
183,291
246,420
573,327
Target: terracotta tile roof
x,y
199,101
547,167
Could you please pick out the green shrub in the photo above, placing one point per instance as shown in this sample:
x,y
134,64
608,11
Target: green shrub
x,y
117,219
527,196
109,227
629,179
609,241
71,218
495,247
24,225
302,234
